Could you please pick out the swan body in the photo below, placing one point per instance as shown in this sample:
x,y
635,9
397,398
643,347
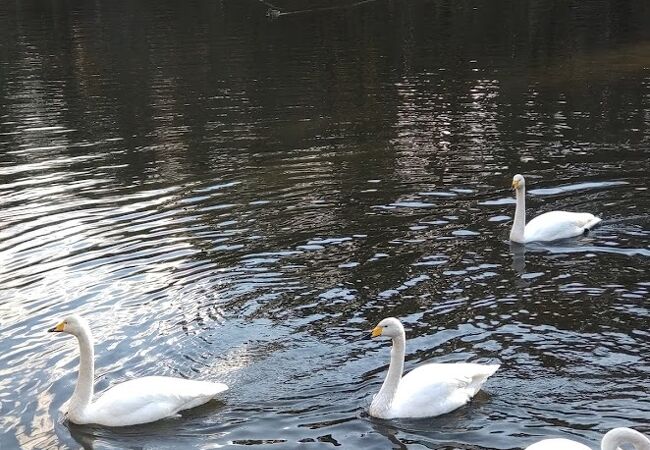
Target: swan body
x,y
133,402
612,440
557,444
549,226
428,390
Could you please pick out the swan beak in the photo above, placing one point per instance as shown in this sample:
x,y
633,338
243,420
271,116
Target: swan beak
x,y
515,184
57,329
377,331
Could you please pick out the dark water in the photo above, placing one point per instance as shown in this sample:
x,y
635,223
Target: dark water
x,y
228,197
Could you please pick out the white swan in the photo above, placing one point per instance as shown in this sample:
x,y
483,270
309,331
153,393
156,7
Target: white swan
x,y
548,226
428,390
136,401
611,441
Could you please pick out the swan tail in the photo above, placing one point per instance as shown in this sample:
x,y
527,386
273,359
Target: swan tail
x,y
592,223
206,389
483,372
219,388
211,391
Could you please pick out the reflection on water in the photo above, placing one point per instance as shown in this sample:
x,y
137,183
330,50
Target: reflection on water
x,y
235,198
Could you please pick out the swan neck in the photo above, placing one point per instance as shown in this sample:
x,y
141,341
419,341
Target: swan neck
x,y
519,224
620,436
83,391
395,369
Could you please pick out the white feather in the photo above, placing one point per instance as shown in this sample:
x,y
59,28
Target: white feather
x,y
427,391
549,226
555,225
133,402
557,444
435,389
611,441
148,399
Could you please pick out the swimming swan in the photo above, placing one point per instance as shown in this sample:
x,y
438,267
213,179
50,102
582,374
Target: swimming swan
x,y
612,440
548,226
428,390
136,401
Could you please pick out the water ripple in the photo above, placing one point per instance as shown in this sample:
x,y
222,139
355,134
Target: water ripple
x,y
241,204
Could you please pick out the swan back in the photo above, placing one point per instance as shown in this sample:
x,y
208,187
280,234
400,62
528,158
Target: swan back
x,y
557,444
147,399
438,388
555,225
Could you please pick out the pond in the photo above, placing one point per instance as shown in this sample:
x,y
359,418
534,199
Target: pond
x,y
227,195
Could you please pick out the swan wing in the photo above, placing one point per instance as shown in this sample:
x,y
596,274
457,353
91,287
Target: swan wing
x,y
148,399
557,444
558,225
435,389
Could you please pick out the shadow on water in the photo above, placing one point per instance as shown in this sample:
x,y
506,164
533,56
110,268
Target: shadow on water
x,y
518,253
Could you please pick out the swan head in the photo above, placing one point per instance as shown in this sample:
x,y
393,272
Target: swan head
x,y
518,182
390,327
72,325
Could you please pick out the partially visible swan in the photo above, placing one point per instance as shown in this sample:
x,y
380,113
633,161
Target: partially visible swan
x,y
428,390
136,401
548,226
612,440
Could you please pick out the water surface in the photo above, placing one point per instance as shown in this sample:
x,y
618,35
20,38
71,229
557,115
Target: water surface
x,y
228,197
